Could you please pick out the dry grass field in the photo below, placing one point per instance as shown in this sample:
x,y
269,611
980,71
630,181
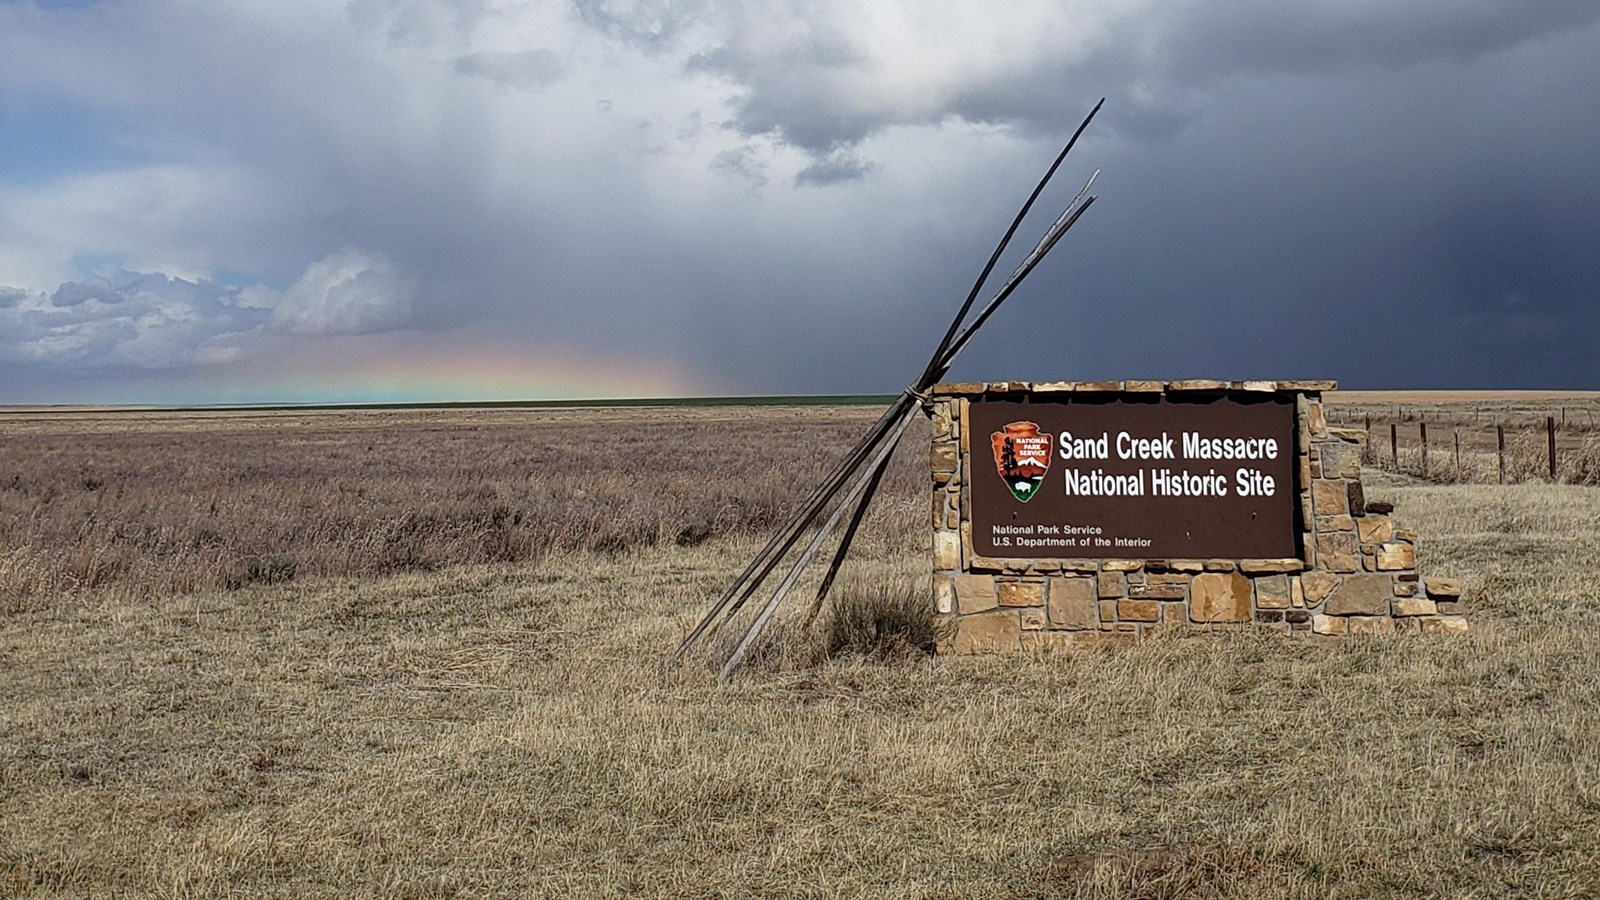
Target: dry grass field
x,y
418,654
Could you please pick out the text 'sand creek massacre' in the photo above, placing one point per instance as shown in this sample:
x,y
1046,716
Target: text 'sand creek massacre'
x,y
1134,479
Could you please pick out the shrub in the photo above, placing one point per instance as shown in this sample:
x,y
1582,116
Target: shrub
x,y
882,620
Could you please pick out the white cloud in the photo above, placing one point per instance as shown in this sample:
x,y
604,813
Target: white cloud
x,y
349,292
126,320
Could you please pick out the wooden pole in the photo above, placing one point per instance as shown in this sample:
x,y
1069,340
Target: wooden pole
x,y
1457,436
1550,434
1423,430
1500,441
1394,445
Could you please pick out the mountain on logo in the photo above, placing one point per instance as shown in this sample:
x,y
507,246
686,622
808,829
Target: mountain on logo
x,y
1022,458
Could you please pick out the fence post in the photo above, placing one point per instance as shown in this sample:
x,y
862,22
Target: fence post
x,y
1394,446
1423,429
1500,440
1457,436
1550,434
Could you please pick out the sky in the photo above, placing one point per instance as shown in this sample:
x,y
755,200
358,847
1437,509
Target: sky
x,y
379,200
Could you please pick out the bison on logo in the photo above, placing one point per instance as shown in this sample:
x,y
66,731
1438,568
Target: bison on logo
x,y
1022,456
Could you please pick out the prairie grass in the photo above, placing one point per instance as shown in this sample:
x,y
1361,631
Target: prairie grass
x,y
184,502
504,728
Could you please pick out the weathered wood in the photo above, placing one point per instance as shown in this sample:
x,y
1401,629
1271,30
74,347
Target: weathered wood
x,y
879,443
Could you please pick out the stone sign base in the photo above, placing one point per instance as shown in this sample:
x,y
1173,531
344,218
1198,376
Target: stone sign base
x,y
1357,573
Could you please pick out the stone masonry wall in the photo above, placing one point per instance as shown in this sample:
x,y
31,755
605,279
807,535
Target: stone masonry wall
x,y
1358,575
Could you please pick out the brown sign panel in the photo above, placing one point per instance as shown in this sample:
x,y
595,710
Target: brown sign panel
x,y
1133,478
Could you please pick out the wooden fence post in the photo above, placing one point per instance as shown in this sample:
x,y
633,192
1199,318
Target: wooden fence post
x,y
1457,436
1423,429
1394,446
1550,434
1500,439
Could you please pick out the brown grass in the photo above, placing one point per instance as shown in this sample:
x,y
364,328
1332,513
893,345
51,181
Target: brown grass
x,y
1462,440
504,729
162,503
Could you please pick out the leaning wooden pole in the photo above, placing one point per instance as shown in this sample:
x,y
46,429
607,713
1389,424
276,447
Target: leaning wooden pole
x,y
876,447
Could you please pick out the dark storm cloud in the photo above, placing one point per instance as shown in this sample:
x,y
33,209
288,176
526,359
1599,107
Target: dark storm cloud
x,y
792,198
827,82
835,168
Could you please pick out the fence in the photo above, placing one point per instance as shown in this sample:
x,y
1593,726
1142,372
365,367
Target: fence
x,y
1468,446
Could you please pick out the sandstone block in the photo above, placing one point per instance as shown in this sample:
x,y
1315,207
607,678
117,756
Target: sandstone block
x,y
1337,552
1406,535
1297,592
1316,420
1156,590
975,593
1336,523
944,595
1341,460
946,550
1112,585
991,632
1327,625
1108,615
1444,625
1254,387
1072,602
944,458
1380,507
959,388
1297,616
1144,387
1360,595
1122,565
1308,386
1269,616
1405,589
1369,625
1054,387
1450,607
1219,597
1375,529
1021,593
1138,611
1287,564
1395,555
1033,619
1272,592
1220,565
1318,585
1442,588
1099,387
1197,384
1329,498
1407,606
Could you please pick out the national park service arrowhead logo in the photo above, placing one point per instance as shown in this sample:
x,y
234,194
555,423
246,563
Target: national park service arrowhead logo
x,y
1022,456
